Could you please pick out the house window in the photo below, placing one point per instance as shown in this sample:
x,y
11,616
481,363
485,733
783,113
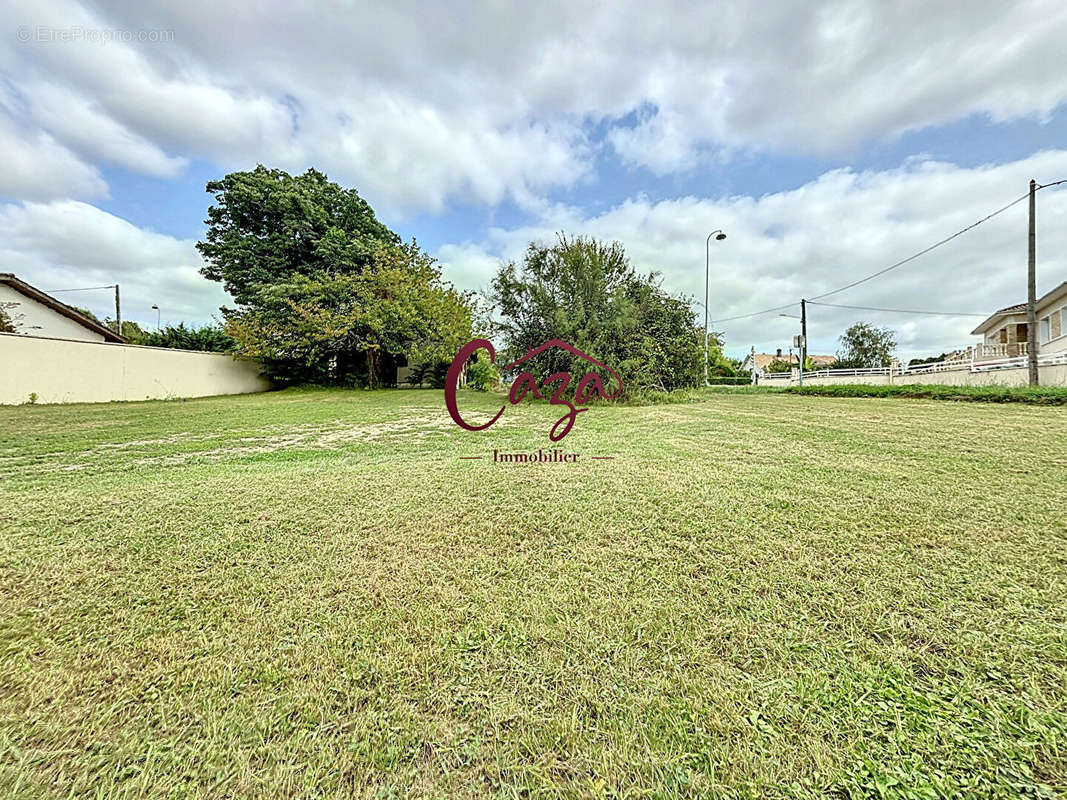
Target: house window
x,y
1056,323
1044,329
1002,336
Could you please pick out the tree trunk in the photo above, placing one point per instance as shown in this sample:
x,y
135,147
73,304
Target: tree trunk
x,y
372,369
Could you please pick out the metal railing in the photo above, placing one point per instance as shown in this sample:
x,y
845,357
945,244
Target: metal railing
x,y
978,361
937,366
1021,362
847,373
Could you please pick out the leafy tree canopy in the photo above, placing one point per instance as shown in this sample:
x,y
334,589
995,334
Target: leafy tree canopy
x,y
585,292
328,327
780,365
208,338
87,313
267,227
863,345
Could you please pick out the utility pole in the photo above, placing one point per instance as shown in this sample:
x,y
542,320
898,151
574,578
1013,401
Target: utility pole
x,y
803,337
1031,290
118,312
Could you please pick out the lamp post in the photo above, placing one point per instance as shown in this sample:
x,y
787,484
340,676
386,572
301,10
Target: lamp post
x,y
156,309
719,236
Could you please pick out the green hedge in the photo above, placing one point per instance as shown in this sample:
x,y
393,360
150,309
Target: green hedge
x,y
732,380
1043,395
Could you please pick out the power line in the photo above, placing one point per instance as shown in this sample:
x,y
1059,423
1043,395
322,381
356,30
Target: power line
x,y
926,250
893,266
756,313
86,289
903,310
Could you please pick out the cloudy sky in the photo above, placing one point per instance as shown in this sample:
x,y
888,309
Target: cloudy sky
x,y
827,139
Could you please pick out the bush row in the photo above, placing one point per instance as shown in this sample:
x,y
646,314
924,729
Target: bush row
x,y
1043,395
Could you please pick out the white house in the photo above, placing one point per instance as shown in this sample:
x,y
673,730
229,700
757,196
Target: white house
x,y
1004,333
31,312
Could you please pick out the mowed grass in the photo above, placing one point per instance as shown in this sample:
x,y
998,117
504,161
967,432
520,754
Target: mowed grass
x,y
309,594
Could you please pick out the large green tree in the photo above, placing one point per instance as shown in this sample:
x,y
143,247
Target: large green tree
x,y
586,292
347,328
325,292
267,226
864,345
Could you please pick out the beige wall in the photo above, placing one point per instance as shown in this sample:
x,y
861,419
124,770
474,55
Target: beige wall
x,y
33,319
1055,346
61,371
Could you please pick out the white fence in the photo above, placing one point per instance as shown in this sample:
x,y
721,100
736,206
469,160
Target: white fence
x,y
42,370
974,371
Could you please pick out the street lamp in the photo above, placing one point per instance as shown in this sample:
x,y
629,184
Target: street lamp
x,y
719,236
156,309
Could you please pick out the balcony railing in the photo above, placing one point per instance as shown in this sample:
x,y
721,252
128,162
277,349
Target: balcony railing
x,y
986,352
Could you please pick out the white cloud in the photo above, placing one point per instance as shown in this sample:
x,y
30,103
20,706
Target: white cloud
x,y
37,167
825,234
83,127
69,244
419,103
780,247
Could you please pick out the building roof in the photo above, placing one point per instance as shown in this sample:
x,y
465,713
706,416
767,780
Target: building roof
x,y
20,286
763,360
1018,308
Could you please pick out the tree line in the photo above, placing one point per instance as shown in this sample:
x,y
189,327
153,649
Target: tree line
x,y
325,293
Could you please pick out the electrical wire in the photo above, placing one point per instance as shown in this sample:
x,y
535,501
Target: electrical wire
x,y
755,313
893,266
86,289
903,310
924,251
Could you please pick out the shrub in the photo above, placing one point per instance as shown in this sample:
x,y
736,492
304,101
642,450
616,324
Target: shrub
x,y
209,338
482,375
1042,395
587,293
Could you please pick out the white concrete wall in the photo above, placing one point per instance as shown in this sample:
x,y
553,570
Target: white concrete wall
x,y
63,371
833,380
1051,375
33,319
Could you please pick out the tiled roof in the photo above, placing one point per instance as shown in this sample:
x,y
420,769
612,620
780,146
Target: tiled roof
x,y
1011,309
763,360
1018,308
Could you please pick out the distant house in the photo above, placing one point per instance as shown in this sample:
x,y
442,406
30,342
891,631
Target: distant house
x,y
31,312
759,362
1004,332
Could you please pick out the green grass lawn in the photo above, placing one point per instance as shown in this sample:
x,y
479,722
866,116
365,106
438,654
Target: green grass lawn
x,y
308,593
